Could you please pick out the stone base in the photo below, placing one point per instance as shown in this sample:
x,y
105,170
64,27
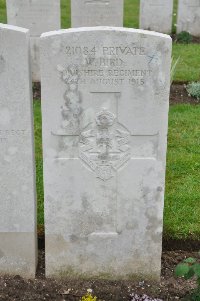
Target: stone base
x,y
18,254
99,259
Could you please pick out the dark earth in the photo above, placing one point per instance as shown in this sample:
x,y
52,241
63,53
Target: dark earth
x,y
194,40
179,95
171,288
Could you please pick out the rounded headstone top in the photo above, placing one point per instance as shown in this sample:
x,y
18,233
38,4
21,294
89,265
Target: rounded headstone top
x,y
14,28
105,28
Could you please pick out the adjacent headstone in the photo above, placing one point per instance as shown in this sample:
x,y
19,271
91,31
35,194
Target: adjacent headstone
x,y
105,98
37,15
189,17
96,13
156,15
18,244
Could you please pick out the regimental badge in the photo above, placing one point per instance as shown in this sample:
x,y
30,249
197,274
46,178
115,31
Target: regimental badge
x,y
105,145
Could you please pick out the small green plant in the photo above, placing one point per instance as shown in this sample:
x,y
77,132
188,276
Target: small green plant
x,y
173,68
193,297
190,267
184,37
193,89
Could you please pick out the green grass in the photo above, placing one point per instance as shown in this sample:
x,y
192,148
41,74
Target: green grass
x,y
3,18
131,13
174,16
39,161
65,13
188,67
189,64
182,198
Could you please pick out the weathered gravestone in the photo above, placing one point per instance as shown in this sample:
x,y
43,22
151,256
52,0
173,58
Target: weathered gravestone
x,y
37,15
105,98
189,17
96,12
18,245
156,15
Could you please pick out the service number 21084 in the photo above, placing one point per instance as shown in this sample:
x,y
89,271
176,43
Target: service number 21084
x,y
80,50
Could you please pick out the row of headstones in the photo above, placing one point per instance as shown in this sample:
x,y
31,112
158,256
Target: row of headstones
x,y
157,15
105,99
42,16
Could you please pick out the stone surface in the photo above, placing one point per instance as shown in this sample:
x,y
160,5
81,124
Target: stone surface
x,y
35,58
96,13
37,15
105,95
189,17
156,15
18,244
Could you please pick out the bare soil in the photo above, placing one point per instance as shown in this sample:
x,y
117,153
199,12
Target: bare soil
x,y
194,40
179,95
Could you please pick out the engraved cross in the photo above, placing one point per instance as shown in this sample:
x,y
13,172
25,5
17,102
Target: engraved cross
x,y
103,143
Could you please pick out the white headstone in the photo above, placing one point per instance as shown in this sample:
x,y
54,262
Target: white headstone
x,y
189,17
37,15
156,15
96,13
18,243
105,95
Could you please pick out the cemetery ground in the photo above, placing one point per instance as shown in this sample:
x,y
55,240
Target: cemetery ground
x,y
181,224
182,210
181,221
170,288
